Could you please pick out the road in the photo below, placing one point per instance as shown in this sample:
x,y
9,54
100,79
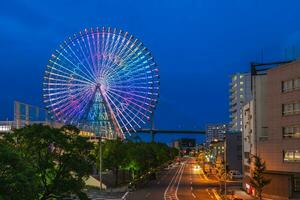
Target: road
x,y
183,182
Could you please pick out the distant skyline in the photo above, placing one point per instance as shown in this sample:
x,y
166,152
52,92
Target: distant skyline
x,y
197,45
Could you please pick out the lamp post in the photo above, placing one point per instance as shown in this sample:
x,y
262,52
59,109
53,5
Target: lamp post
x,y
100,162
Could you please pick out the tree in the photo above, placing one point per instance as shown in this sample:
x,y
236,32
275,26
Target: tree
x,y
113,156
221,175
17,178
136,157
258,181
59,158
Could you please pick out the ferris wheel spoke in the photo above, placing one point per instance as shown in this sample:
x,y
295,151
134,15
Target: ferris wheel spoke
x,y
130,54
92,54
62,92
53,78
65,84
136,93
115,42
114,118
129,83
136,101
134,86
66,79
85,57
101,52
95,48
130,110
143,79
130,101
64,98
64,107
121,113
80,109
112,51
70,71
121,46
86,76
130,72
66,93
89,70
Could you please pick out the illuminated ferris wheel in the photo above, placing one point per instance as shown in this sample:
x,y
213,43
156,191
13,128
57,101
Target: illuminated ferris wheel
x,y
104,79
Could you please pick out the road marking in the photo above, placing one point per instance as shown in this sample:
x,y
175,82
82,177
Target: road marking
x,y
216,194
210,195
194,195
191,187
169,196
124,196
179,181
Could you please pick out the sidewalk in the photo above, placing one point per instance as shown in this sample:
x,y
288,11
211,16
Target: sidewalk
x,y
240,194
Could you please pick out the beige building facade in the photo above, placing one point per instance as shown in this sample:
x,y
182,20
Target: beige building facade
x,y
281,149
272,130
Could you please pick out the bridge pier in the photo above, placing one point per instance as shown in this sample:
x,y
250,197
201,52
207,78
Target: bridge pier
x,y
152,136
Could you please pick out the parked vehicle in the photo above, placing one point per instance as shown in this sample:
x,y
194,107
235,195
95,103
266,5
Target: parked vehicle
x,y
234,174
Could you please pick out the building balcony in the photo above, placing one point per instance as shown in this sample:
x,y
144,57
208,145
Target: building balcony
x,y
233,109
233,90
232,103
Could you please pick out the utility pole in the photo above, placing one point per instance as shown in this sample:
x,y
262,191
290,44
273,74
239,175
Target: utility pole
x,y
152,127
100,161
225,160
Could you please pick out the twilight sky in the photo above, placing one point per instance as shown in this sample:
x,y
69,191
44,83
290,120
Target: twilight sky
x,y
197,44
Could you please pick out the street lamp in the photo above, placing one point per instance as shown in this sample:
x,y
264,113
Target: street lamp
x,y
225,161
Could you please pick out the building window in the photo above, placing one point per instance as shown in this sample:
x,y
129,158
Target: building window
x,y
297,84
5,128
291,156
296,183
290,85
291,108
291,131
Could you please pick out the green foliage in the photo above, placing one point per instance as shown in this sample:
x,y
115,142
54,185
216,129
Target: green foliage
x,y
258,181
17,179
135,157
58,160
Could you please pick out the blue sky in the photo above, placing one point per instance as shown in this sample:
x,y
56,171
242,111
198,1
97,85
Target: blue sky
x,y
197,44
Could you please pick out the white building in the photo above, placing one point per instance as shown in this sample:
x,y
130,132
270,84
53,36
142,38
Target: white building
x,y
254,128
240,93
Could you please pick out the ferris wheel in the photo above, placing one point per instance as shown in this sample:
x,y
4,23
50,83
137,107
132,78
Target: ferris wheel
x,y
102,78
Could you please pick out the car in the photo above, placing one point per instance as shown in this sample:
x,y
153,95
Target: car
x,y
197,167
235,174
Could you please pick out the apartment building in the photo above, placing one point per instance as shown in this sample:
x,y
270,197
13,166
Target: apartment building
x,y
272,130
281,149
254,127
240,93
215,132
